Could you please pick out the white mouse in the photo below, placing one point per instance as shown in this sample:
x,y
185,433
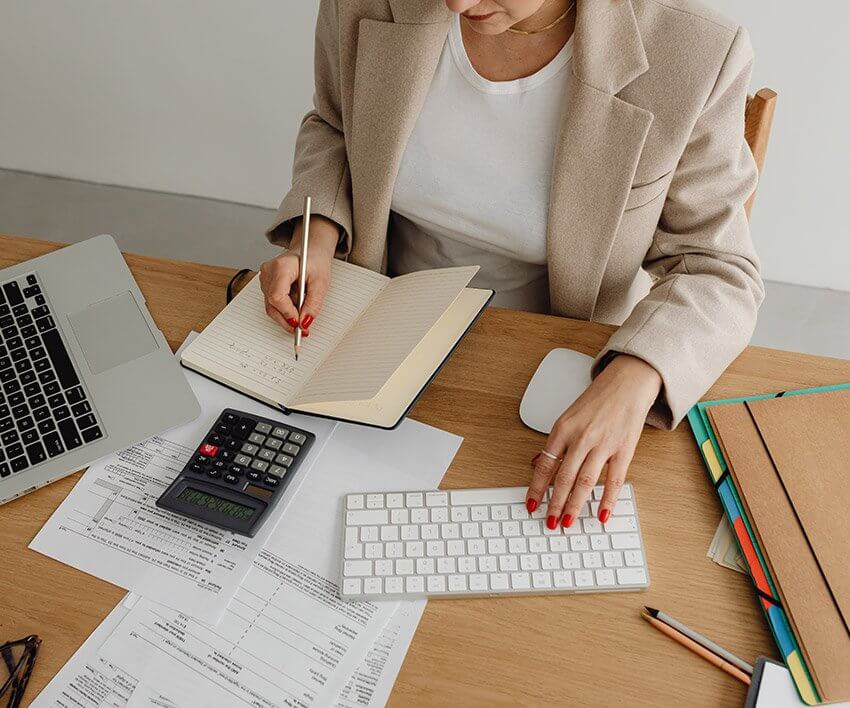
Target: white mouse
x,y
561,378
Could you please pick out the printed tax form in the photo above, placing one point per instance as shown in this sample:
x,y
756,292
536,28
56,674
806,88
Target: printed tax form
x,y
286,639
109,525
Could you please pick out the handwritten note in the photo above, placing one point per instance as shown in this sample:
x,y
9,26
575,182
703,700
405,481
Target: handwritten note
x,y
250,352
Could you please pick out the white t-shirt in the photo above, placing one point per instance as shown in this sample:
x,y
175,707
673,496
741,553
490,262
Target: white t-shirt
x,y
473,185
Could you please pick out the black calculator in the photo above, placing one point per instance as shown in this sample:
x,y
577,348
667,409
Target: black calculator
x,y
239,471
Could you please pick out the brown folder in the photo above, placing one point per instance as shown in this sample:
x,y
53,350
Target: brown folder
x,y
790,459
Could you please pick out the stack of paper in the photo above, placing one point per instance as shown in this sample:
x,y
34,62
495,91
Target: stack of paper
x,y
217,619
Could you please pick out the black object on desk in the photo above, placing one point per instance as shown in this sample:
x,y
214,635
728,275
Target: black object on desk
x,y
18,659
239,472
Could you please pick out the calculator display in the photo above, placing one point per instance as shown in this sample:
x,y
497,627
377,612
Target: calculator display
x,y
210,501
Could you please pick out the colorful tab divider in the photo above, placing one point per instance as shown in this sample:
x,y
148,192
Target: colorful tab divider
x,y
759,572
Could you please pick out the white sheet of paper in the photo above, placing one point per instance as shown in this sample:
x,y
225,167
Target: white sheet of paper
x,y
287,638
86,681
109,525
372,681
776,689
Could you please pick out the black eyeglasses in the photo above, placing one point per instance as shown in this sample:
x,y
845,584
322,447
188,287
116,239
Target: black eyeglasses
x,y
18,659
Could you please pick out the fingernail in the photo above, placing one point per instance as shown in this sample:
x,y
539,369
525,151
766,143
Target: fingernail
x,y
531,505
292,322
552,523
567,521
604,514
308,320
305,333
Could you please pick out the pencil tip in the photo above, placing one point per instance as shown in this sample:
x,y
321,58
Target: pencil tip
x,y
651,610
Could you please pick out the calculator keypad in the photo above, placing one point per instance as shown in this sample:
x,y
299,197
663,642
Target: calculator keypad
x,y
242,447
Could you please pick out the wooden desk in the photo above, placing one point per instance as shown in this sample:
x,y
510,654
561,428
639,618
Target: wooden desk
x,y
570,650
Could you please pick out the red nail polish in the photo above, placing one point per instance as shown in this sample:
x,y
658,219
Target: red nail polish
x,y
305,333
308,320
604,514
567,521
292,322
531,505
552,523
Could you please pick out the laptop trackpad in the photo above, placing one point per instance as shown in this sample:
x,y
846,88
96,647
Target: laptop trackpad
x,y
112,332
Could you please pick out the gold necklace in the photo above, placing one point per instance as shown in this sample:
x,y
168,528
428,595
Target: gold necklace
x,y
547,27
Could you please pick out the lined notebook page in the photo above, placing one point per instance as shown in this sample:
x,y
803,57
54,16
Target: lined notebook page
x,y
247,350
385,335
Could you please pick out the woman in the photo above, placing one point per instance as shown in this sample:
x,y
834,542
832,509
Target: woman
x,y
590,157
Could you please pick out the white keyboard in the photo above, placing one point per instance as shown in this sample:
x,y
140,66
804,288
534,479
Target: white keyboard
x,y
475,542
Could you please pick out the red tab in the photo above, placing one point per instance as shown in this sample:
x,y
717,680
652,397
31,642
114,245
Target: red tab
x,y
208,450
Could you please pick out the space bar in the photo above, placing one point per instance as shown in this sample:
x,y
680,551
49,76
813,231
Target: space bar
x,y
503,495
61,361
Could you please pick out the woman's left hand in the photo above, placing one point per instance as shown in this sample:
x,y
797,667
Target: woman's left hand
x,y
601,427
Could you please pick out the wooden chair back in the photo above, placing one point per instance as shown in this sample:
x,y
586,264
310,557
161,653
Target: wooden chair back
x,y
758,119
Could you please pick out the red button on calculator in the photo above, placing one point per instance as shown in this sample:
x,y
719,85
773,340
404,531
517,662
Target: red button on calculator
x,y
208,450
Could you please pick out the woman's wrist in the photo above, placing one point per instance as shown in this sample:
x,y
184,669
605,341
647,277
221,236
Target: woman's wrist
x,y
324,236
641,377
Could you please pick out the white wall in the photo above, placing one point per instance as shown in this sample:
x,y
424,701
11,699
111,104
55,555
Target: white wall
x,y
199,97
205,97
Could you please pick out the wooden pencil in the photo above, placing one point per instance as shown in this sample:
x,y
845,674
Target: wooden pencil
x,y
689,643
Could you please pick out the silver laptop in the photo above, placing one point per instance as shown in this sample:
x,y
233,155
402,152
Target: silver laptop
x,y
84,371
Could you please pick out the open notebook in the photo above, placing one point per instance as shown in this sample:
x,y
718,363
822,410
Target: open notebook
x,y
372,351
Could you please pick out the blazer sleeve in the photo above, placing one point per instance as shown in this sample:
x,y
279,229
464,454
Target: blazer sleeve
x,y
320,167
701,310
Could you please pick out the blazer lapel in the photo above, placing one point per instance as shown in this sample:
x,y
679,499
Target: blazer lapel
x,y
599,145
394,68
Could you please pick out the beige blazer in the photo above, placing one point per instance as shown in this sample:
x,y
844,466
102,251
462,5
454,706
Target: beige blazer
x,y
646,223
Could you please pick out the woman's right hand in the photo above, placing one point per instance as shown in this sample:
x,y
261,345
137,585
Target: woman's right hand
x,y
279,277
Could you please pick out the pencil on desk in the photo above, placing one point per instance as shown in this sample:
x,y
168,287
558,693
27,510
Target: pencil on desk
x,y
701,640
689,643
302,275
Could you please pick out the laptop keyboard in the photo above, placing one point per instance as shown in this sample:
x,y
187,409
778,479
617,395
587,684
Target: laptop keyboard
x,y
44,409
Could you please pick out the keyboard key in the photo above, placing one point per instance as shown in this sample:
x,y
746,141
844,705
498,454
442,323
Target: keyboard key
x,y
367,517
5,470
18,464
357,568
263,428
457,583
631,576
633,558
617,524
562,579
499,581
620,541
436,499
351,586
86,421
13,293
260,466
69,433
374,501
436,583
605,577
290,449
59,357
520,581
394,585
613,559
404,566
541,579
354,501
583,578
